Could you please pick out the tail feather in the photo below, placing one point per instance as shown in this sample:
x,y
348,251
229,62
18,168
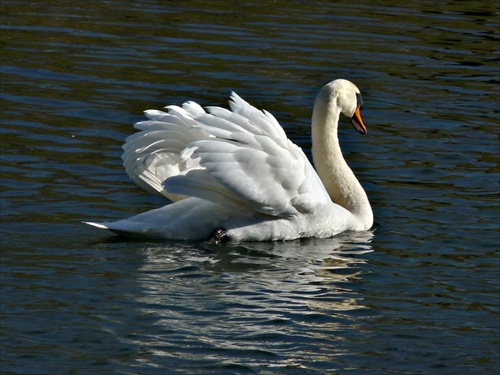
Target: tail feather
x,y
97,225
188,219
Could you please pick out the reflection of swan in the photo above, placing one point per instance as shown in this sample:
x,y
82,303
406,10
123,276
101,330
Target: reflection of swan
x,y
313,260
264,305
259,279
242,176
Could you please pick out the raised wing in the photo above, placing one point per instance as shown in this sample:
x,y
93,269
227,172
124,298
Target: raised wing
x,y
249,163
154,154
240,158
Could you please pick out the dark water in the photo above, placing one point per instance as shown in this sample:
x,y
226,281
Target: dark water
x,y
417,295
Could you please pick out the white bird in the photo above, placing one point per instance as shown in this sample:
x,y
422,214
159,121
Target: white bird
x,y
235,175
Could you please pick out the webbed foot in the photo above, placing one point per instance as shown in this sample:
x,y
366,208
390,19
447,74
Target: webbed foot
x,y
219,236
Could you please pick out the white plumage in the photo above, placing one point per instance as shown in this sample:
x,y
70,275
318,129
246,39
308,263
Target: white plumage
x,y
236,170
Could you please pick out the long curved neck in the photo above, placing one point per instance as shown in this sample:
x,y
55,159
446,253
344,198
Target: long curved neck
x,y
339,180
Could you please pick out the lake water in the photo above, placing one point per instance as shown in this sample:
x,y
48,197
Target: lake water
x,y
417,294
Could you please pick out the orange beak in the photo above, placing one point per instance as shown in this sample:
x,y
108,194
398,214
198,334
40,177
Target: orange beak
x,y
357,121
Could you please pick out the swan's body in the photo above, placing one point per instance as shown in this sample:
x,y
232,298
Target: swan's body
x,y
237,171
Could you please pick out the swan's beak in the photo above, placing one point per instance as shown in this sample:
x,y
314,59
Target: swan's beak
x,y
357,121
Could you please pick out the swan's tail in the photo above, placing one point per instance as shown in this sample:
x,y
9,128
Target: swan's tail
x,y
188,219
97,225
128,228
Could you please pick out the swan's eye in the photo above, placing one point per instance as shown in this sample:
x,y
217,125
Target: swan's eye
x,y
359,101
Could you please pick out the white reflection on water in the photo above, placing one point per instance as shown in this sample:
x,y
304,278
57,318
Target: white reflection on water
x,y
248,302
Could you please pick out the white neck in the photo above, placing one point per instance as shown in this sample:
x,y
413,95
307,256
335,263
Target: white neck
x,y
339,180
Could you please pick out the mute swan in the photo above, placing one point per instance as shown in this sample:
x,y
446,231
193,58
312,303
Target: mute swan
x,y
234,174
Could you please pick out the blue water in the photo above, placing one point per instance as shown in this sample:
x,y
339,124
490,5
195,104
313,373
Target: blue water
x,y
417,294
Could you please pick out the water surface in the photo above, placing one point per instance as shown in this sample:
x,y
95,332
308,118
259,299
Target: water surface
x,y
418,294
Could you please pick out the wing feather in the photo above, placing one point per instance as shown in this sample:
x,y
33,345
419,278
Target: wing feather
x,y
240,158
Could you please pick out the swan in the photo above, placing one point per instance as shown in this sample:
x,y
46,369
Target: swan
x,y
234,174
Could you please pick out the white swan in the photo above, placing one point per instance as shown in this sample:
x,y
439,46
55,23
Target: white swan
x,y
235,174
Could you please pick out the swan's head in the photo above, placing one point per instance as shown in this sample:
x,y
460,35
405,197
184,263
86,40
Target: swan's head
x,y
345,96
